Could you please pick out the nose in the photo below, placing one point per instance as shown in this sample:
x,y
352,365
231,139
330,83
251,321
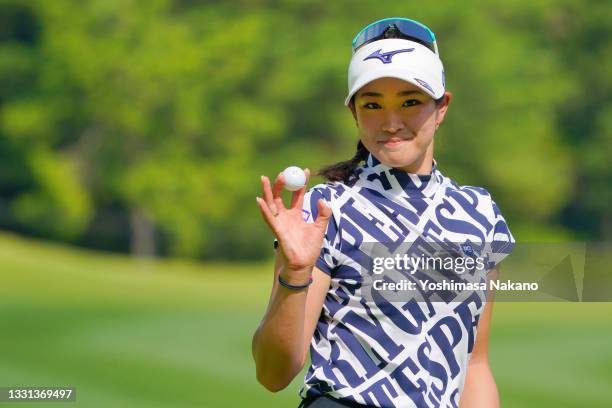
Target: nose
x,y
393,122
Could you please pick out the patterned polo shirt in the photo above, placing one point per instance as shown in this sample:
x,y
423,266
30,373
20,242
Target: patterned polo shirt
x,y
402,353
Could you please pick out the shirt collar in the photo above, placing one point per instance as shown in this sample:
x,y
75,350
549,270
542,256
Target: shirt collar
x,y
395,182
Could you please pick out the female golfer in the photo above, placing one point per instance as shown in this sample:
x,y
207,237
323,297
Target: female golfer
x,y
367,350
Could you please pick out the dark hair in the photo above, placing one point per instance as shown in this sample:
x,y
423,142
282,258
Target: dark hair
x,y
342,171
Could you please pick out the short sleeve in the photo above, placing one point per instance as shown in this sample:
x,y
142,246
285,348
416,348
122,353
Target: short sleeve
x,y
327,260
500,241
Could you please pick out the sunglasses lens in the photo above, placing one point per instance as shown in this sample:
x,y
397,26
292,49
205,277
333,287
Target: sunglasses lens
x,y
406,27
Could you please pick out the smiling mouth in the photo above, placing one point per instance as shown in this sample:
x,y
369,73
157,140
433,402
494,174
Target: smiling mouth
x,y
394,141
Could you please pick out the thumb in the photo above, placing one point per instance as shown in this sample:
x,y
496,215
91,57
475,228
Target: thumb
x,y
325,213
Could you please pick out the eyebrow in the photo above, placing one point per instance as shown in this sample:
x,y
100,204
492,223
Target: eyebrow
x,y
402,93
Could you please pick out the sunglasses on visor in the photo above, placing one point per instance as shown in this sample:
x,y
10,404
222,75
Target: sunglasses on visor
x,y
396,28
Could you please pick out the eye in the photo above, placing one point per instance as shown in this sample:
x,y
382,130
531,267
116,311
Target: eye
x,y
411,102
371,105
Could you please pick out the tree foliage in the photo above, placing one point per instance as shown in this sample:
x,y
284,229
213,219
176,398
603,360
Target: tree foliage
x,y
122,120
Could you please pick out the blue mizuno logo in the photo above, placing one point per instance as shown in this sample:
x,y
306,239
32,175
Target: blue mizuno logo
x,y
385,57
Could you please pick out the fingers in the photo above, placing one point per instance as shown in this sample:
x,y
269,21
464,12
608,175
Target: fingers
x,y
297,198
272,194
267,194
278,185
266,213
276,192
325,213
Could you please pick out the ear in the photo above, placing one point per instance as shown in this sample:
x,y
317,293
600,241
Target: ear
x,y
351,107
443,107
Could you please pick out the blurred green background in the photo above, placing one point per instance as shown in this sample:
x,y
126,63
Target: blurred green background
x,y
137,131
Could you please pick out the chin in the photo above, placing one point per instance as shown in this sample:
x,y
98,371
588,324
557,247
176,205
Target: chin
x,y
398,159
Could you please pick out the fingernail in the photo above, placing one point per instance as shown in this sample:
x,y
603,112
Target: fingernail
x,y
261,178
257,199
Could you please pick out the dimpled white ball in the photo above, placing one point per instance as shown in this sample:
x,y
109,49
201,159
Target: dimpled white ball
x,y
295,178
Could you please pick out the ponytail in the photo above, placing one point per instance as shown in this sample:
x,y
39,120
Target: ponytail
x,y
342,171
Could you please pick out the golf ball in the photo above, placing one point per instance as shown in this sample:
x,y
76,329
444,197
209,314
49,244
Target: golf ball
x,y
295,178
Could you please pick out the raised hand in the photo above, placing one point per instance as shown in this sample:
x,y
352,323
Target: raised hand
x,y
299,241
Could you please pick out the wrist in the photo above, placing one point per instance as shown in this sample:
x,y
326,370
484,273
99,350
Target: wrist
x,y
297,287
296,276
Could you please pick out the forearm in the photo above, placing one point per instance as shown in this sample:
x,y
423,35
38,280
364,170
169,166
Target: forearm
x,y
278,342
480,390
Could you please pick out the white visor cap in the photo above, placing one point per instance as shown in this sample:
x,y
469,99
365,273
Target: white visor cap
x,y
396,58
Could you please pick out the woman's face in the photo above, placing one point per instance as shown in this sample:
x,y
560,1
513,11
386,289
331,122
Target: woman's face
x,y
397,122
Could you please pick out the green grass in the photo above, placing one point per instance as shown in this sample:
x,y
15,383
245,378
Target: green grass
x,y
135,334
